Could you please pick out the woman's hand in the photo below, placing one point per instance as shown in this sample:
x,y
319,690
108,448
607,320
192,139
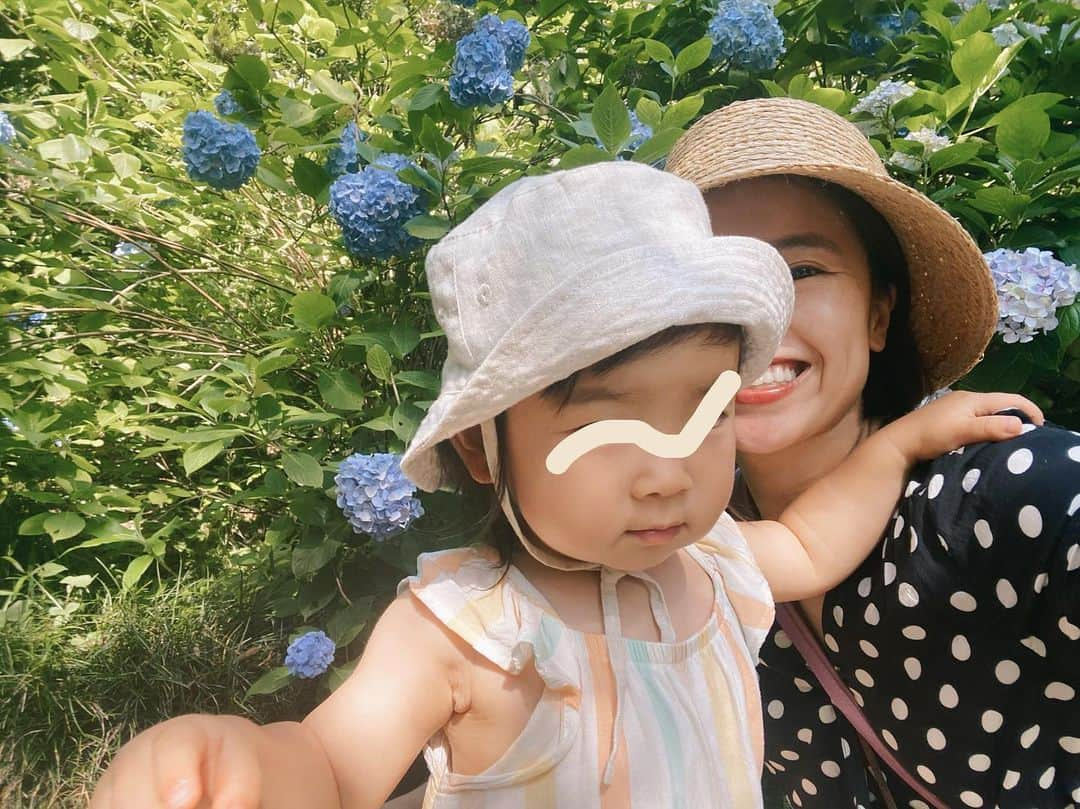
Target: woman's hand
x,y
956,419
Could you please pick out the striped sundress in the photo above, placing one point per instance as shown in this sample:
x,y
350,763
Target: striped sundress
x,y
671,724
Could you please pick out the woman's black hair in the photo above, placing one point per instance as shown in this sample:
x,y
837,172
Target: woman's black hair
x,y
495,529
896,381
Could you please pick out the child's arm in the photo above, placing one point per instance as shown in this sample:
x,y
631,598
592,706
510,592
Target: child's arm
x,y
829,529
348,754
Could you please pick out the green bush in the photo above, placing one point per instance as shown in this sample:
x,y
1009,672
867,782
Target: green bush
x,y
186,406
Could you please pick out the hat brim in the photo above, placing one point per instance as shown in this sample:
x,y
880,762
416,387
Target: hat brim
x,y
606,308
954,307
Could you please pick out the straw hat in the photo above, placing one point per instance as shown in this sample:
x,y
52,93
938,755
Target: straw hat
x,y
559,271
953,300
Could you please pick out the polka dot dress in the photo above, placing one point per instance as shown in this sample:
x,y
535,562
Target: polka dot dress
x,y
959,637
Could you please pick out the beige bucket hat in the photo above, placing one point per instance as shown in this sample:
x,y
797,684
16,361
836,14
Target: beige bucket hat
x,y
559,271
953,300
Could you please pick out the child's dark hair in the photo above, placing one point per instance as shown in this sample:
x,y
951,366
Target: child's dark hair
x,y
495,529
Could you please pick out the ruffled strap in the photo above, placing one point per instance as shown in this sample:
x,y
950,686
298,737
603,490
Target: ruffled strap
x,y
724,550
487,606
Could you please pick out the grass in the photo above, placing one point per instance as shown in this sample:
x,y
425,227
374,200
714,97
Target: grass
x,y
75,689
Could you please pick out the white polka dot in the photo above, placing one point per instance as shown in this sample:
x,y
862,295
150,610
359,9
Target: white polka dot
x,y
1030,521
808,787
864,586
912,486
936,739
1060,691
803,686
888,573
1040,582
845,748
871,616
1075,795
943,543
983,533
992,721
776,765
830,641
1011,779
1047,778
1028,737
838,615
971,799
934,488
899,709
961,649
1074,506
1070,744
926,774
1007,672
917,804
890,739
971,477
805,735
1036,645
868,648
781,639
965,602
898,526
795,799
790,755
1070,630
864,678
776,709
980,762
913,632
909,596
827,714
1006,593
1072,558
1027,428
913,668
858,698
1020,461
1074,453
831,769
948,697
770,767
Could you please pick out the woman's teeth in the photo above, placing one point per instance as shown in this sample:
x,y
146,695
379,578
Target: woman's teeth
x,y
777,375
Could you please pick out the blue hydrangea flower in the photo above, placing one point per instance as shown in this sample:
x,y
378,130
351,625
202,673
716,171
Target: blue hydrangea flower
x,y
881,99
372,207
225,104
893,25
1032,285
465,3
479,74
747,34
310,654
512,35
222,155
9,424
7,129
127,249
344,157
639,133
375,496
864,44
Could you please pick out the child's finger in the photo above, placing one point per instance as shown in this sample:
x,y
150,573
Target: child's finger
x,y
997,428
996,402
177,754
235,780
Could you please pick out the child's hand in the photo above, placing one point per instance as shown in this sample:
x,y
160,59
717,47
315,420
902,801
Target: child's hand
x,y
191,761
956,419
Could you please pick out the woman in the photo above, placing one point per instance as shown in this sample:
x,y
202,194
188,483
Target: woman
x,y
960,636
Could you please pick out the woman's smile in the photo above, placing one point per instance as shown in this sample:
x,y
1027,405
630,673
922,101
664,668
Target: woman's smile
x,y
780,379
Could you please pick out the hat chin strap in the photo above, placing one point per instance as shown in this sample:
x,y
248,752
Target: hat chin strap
x,y
609,599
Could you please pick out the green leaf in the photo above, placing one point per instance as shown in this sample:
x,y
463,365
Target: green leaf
x,y
693,55
682,111
583,155
12,49
301,468
405,419
296,114
346,624
954,155
379,363
251,70
337,675
404,337
420,379
312,310
973,60
659,52
433,141
978,19
648,112
427,227
1023,133
427,96
68,149
82,31
32,526
341,390
309,559
611,120
310,177
135,571
657,146
125,165
1068,329
198,456
64,525
271,682
328,86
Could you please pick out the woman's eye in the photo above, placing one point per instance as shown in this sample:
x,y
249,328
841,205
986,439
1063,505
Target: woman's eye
x,y
803,271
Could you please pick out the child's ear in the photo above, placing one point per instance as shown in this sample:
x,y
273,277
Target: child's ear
x,y
469,446
881,307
